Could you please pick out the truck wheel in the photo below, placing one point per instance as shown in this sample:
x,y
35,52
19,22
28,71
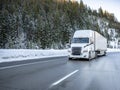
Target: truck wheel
x,y
89,56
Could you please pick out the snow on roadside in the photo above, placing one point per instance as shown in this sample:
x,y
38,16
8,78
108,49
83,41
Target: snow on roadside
x,y
9,55
113,50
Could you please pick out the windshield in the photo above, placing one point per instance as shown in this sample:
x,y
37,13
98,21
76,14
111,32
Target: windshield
x,y
80,40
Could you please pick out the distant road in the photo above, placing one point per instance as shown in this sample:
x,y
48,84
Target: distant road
x,y
102,73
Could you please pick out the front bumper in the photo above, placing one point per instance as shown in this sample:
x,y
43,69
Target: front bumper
x,y
84,56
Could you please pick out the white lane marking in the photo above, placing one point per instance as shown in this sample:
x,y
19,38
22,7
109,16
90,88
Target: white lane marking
x,y
62,79
25,64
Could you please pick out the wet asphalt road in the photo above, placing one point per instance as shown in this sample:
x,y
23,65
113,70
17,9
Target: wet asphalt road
x,y
102,73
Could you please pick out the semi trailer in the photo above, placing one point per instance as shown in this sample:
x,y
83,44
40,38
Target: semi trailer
x,y
87,44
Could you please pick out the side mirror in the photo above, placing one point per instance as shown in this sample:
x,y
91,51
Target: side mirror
x,y
91,42
68,45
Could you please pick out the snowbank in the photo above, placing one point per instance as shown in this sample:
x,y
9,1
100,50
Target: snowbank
x,y
113,50
8,55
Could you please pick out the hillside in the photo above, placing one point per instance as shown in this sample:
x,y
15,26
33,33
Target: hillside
x,y
36,24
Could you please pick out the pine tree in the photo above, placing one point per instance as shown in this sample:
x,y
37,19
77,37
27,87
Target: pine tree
x,y
100,11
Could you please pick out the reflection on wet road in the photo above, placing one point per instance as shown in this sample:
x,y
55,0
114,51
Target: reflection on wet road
x,y
99,74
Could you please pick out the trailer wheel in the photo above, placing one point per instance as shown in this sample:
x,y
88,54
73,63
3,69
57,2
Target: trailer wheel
x,y
70,58
104,53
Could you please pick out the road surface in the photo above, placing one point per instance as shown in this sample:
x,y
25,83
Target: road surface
x,y
102,73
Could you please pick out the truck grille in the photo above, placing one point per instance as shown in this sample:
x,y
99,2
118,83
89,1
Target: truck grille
x,y
76,50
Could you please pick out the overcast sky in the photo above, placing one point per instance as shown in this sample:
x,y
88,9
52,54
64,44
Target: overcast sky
x,y
112,6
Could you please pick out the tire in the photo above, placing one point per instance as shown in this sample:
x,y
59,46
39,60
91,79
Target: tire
x,y
70,58
89,56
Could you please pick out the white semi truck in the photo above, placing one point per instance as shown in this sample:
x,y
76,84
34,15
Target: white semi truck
x,y
87,44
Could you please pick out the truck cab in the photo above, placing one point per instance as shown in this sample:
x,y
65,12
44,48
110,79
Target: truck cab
x,y
81,47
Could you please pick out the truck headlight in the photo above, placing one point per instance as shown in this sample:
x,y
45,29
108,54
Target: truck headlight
x,y
69,50
85,50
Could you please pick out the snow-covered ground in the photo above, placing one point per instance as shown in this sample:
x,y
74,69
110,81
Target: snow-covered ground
x,y
9,55
113,50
